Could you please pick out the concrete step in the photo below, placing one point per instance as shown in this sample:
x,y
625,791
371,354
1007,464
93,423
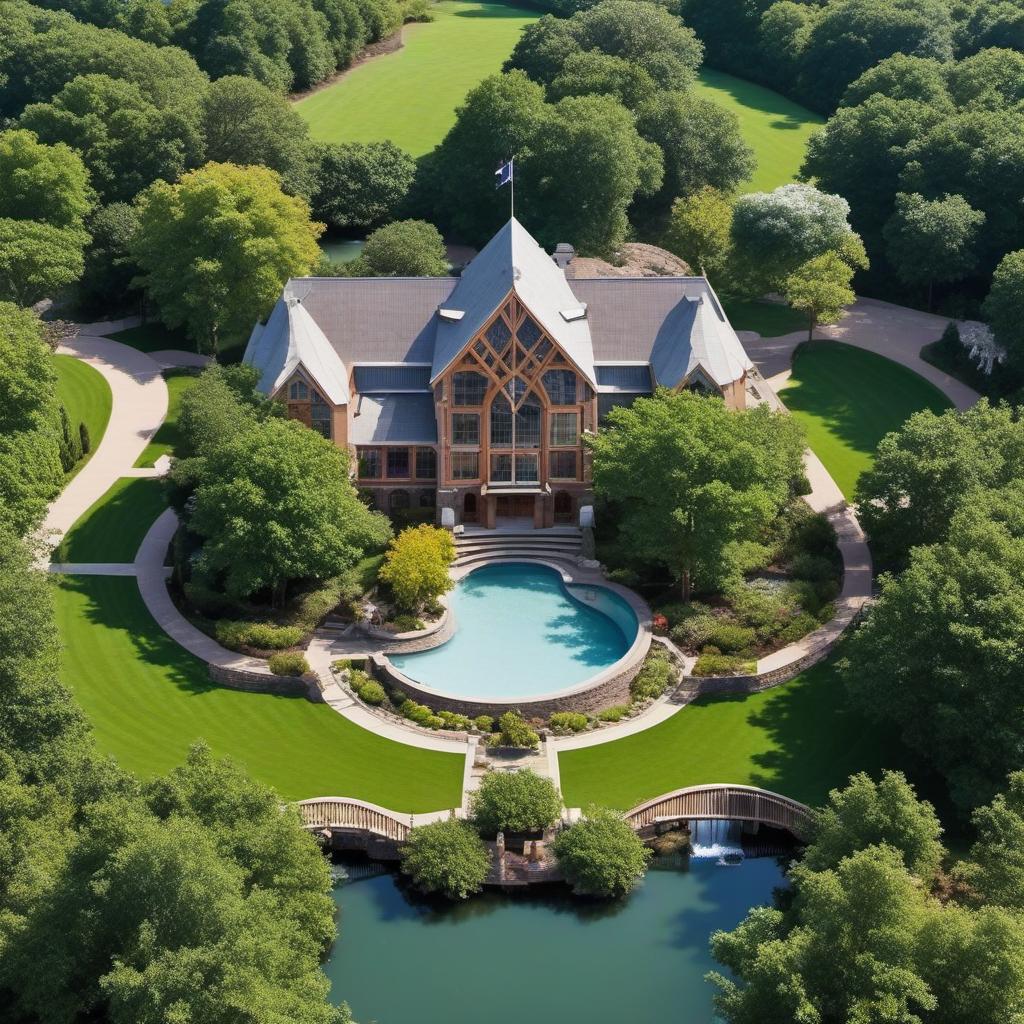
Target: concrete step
x,y
547,545
516,554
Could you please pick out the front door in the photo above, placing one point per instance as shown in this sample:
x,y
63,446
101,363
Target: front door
x,y
515,506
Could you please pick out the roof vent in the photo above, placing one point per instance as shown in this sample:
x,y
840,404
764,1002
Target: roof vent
x,y
563,255
453,316
576,313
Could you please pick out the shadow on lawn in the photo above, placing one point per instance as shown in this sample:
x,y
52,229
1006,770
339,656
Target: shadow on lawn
x,y
790,116
114,603
493,10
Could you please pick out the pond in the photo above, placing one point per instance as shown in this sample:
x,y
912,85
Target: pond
x,y
502,959
521,632
341,250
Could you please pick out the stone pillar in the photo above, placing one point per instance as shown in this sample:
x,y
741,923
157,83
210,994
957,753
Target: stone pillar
x,y
500,849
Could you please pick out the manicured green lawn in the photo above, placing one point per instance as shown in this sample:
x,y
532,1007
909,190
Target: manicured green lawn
x,y
148,700
164,440
86,395
796,739
410,96
153,337
113,528
848,400
776,128
769,319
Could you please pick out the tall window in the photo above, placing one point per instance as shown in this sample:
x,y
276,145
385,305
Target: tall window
x,y
369,463
501,422
560,386
465,465
465,428
564,431
398,463
528,417
501,469
298,391
426,464
468,388
320,414
562,465
526,469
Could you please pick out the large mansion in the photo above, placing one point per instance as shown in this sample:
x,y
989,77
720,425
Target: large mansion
x,y
474,392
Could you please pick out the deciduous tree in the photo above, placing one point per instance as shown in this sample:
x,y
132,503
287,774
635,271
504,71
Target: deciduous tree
x,y
820,289
519,801
1004,307
416,566
700,230
404,248
216,248
446,856
361,185
601,855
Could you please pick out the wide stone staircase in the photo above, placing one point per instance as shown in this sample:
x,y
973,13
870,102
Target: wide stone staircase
x,y
555,544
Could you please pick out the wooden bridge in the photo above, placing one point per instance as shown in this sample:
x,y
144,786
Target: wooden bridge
x,y
347,815
735,803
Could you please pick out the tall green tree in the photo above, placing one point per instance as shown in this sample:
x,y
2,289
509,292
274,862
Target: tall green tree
x,y
125,140
925,471
942,649
820,289
404,248
932,241
216,248
903,77
700,230
691,480
106,282
275,505
601,855
247,123
360,186
995,869
1004,306
447,857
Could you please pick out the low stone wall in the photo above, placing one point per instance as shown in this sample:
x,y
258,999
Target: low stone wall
x,y
589,699
307,686
423,640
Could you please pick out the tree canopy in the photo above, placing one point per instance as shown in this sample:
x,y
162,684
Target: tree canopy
x,y
216,248
403,248
520,801
416,566
1004,306
820,289
601,855
692,481
361,185
700,230
446,856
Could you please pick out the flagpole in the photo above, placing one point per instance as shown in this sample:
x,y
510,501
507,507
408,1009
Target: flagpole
x,y
512,182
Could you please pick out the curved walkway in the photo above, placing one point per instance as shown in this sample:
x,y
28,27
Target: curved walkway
x,y
896,332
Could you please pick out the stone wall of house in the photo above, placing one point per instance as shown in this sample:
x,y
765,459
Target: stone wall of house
x,y
307,686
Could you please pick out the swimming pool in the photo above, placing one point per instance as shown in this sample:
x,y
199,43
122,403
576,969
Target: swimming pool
x,y
521,632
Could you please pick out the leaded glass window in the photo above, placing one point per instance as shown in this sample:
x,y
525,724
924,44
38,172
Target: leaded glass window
x,y
562,465
498,334
398,463
465,465
564,429
298,391
426,464
501,422
526,469
501,469
465,428
369,463
528,418
468,388
528,332
560,386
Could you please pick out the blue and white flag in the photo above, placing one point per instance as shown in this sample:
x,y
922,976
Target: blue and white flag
x,y
503,175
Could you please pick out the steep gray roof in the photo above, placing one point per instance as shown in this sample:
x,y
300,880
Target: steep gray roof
x,y
394,419
677,323
292,338
513,261
376,319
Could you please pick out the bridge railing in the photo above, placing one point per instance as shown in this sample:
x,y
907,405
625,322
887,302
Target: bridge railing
x,y
733,802
349,813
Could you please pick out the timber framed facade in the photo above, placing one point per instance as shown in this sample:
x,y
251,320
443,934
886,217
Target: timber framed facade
x,y
475,393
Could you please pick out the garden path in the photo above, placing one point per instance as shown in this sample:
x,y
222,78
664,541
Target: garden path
x,y
896,332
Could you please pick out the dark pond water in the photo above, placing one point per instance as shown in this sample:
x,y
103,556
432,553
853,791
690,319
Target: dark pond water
x,y
541,958
341,250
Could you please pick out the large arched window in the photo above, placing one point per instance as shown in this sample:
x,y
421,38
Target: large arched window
x,y
501,422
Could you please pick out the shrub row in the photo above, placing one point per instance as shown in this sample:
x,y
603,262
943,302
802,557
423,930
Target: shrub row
x,y
265,636
289,663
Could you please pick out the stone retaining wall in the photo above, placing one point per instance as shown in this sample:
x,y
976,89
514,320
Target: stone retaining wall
x,y
423,640
307,686
590,699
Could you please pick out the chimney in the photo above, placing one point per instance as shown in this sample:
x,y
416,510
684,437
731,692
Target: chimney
x,y
564,255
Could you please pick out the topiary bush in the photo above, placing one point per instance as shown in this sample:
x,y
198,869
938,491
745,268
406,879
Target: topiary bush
x,y
730,638
367,689
485,723
446,857
566,722
289,663
601,855
520,801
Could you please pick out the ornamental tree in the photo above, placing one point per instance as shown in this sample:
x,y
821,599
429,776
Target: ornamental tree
x,y
931,241
691,481
446,856
1004,307
519,801
820,289
942,650
361,185
216,248
775,233
275,504
416,566
869,813
601,855
699,230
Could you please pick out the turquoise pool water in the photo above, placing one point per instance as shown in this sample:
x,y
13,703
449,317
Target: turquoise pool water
x,y
543,956
520,632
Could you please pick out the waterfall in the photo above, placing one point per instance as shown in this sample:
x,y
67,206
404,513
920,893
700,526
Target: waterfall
x,y
715,839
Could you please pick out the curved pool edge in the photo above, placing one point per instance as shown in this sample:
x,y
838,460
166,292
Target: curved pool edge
x,y
604,689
